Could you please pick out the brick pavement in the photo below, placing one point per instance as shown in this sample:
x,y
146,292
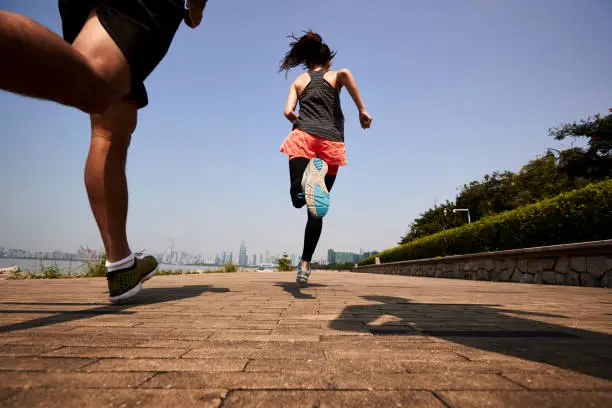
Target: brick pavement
x,y
254,339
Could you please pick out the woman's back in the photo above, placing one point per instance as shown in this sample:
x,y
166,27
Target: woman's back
x,y
320,112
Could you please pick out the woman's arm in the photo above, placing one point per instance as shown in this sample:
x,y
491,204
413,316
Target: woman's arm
x,y
292,99
346,79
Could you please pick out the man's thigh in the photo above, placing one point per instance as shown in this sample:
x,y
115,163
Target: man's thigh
x,y
120,35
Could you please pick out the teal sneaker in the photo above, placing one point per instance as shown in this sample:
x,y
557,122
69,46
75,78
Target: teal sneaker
x,y
125,283
302,275
315,190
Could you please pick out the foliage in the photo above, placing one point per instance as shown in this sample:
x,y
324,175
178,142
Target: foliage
x,y
597,129
284,265
49,272
547,176
594,162
16,274
230,267
580,215
96,269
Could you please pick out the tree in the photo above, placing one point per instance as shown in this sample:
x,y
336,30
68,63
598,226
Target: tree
x,y
283,263
594,162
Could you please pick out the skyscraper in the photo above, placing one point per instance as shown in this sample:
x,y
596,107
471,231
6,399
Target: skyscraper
x,y
243,259
254,259
331,256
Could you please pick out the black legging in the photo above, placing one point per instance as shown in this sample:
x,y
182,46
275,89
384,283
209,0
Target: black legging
x,y
297,166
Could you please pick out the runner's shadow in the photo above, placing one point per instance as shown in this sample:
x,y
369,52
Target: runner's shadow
x,y
148,296
295,290
490,328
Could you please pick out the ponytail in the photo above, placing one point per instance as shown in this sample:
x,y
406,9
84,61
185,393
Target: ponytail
x,y
308,49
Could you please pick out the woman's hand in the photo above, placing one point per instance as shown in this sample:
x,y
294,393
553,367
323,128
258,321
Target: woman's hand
x,y
365,119
193,13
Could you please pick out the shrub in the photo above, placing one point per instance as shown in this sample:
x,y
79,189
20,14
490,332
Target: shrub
x,y
96,269
284,265
580,215
50,272
230,267
16,274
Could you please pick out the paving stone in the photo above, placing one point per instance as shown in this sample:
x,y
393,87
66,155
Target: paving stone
x,y
521,399
5,393
322,399
543,381
239,353
25,349
148,333
78,341
456,381
167,364
359,340
11,379
221,336
494,366
11,339
398,355
78,398
321,366
240,380
124,352
43,363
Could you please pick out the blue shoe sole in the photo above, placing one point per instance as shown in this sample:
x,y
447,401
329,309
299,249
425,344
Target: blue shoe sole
x,y
317,196
321,199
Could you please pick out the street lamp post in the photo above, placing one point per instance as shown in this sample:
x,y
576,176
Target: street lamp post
x,y
465,210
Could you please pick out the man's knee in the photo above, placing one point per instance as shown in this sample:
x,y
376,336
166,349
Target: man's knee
x,y
117,123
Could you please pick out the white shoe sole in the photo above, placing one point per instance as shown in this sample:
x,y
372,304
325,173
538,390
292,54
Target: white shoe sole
x,y
311,178
136,289
150,274
132,292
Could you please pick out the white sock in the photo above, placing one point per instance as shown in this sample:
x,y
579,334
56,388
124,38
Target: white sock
x,y
125,263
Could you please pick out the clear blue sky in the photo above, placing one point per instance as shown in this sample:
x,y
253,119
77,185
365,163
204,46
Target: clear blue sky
x,y
457,89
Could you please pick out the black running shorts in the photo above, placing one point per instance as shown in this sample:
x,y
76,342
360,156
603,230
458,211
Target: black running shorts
x,y
142,29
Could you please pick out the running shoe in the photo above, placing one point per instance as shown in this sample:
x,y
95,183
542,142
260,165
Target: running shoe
x,y
125,283
302,275
315,191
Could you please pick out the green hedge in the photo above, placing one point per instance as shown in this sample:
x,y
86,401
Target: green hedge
x,y
579,215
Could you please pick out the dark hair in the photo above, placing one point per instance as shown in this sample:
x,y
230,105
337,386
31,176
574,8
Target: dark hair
x,y
308,49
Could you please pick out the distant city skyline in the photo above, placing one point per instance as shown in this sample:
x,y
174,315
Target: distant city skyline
x,y
174,255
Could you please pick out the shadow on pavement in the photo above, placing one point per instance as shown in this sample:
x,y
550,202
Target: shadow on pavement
x,y
490,328
295,290
147,296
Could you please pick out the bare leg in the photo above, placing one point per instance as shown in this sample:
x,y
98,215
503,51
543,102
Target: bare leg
x,y
39,64
105,174
111,133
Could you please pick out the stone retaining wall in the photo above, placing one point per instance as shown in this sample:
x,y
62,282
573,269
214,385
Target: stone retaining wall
x,y
581,264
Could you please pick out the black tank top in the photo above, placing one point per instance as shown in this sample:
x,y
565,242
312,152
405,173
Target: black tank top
x,y
320,112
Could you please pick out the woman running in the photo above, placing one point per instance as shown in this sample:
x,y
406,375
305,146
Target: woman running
x,y
316,144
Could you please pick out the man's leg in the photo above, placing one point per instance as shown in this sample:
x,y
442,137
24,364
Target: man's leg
x,y
40,64
111,132
105,178
105,174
